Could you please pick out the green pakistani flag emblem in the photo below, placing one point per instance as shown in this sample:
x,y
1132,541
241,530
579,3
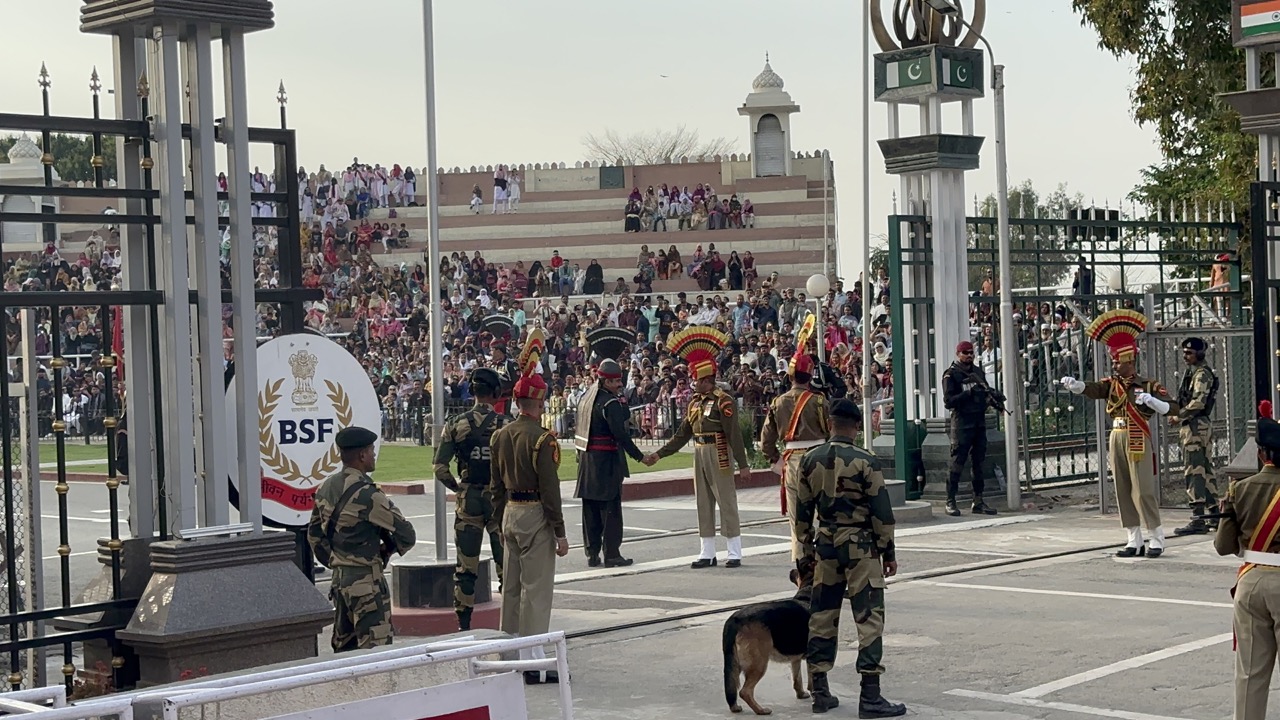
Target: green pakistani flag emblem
x,y
958,73
908,73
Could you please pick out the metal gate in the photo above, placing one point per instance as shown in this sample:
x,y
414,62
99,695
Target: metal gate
x,y
73,606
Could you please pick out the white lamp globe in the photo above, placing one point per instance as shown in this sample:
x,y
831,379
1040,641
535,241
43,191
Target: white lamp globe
x,y
817,285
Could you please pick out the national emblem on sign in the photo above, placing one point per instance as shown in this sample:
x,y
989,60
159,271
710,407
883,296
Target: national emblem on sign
x,y
304,370
304,430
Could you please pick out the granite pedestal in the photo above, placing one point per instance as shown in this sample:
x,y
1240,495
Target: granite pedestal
x,y
1245,463
422,598
936,452
221,604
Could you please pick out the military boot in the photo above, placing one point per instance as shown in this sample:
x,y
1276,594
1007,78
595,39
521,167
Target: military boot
x,y
871,704
1197,526
464,619
980,507
952,510
823,700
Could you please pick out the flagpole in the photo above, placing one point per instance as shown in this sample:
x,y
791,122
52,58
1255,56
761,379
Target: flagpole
x,y
433,268
866,223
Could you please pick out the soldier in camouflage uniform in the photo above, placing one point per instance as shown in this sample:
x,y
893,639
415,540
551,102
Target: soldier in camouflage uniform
x,y
466,438
1196,397
354,530
844,524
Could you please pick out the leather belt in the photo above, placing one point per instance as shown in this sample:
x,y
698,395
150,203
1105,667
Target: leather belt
x,y
1261,558
525,496
705,438
803,444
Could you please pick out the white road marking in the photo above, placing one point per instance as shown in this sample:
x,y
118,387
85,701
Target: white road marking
x,y
79,519
625,596
74,554
957,551
73,463
645,529
1121,666
1064,707
1069,593
100,512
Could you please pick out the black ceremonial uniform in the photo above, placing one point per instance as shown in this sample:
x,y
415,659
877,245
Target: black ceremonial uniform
x,y
601,467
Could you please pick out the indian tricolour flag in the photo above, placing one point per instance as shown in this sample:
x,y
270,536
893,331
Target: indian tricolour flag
x,y
1260,18
908,73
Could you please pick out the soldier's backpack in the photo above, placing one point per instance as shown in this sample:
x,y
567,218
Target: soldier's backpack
x,y
323,549
475,448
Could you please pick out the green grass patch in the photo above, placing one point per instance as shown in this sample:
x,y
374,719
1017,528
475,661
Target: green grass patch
x,y
396,463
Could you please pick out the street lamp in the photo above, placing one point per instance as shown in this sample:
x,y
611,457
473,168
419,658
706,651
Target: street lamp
x,y
818,285
1008,342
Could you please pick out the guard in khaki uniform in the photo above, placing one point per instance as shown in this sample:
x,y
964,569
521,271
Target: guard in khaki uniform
x,y
799,417
467,438
1131,402
711,420
1249,526
354,529
525,483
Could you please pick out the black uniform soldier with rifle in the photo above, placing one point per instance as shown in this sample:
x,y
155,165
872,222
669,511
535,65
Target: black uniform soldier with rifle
x,y
967,395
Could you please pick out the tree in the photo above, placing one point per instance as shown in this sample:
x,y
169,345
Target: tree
x,y
1183,58
72,155
653,147
1031,246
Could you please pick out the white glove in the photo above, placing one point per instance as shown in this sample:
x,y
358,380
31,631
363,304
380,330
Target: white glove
x,y
1152,402
1072,384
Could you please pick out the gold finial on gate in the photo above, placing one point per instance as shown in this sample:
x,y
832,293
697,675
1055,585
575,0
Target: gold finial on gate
x,y
68,669
15,678
64,550
59,426
117,661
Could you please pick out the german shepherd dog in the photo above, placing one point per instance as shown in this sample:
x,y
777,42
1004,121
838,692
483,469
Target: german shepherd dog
x,y
756,634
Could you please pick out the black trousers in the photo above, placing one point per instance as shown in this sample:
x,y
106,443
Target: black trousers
x,y
602,526
967,443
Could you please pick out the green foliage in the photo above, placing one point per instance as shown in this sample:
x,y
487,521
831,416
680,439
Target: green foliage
x,y
1183,58
72,155
1026,245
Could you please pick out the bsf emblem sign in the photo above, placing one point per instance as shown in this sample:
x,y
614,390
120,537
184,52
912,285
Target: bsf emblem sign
x,y
309,388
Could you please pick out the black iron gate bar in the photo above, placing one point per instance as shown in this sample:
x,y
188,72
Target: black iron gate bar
x,y
1264,221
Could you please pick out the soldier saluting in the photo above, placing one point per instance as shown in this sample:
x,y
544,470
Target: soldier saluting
x,y
603,443
844,525
1249,526
799,418
525,482
1197,395
966,394
467,438
354,530
1131,401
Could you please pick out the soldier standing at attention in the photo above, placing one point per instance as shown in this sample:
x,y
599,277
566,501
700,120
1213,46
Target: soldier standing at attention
x,y
1131,401
508,372
1196,397
712,423
799,418
844,524
1249,525
354,530
467,439
602,464
966,394
526,497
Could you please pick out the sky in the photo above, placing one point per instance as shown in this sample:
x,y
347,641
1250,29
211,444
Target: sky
x,y
524,82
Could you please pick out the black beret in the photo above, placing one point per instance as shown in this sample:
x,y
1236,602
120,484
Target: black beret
x,y
1195,344
486,376
1268,433
846,409
354,437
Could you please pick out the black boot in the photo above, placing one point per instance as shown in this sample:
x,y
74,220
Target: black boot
x,y
980,507
871,704
1197,526
823,700
952,510
464,619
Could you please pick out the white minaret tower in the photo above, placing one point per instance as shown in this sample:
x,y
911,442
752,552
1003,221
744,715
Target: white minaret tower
x,y
769,108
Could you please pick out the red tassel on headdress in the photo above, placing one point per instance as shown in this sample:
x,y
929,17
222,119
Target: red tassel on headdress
x,y
1264,409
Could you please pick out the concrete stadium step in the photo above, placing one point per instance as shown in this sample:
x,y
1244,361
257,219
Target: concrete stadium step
x,y
685,240
621,261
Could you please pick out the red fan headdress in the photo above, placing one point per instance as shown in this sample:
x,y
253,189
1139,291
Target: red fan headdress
x,y
1119,330
698,346
531,385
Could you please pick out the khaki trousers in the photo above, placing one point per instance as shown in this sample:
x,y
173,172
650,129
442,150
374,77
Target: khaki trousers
x,y
1135,483
790,481
712,486
1257,623
529,570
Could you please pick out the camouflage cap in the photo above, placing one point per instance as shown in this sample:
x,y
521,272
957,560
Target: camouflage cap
x,y
350,438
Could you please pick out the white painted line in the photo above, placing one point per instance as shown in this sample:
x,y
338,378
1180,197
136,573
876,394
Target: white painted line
x,y
100,512
625,596
1121,666
646,529
1064,707
74,554
957,551
78,519
1069,593
73,463
765,535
